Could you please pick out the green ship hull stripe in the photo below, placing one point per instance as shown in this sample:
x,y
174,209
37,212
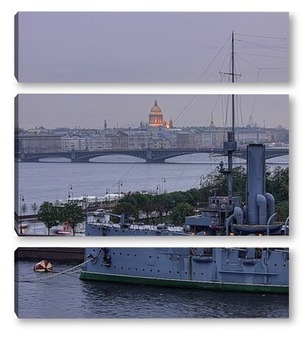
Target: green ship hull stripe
x,y
221,286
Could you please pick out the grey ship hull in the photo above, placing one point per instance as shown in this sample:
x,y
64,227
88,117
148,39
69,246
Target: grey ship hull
x,y
113,230
228,269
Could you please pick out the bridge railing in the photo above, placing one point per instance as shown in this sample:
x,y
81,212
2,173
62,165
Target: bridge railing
x,y
149,155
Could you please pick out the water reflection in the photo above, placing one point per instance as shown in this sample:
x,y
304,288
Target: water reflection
x,y
64,295
108,299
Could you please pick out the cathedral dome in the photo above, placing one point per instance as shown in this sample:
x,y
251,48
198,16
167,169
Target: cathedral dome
x,y
155,109
156,117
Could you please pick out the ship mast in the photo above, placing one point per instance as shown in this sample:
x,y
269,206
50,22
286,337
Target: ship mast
x,y
233,81
230,146
231,135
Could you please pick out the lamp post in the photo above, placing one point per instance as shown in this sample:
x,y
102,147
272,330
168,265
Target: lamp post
x,y
70,194
108,192
162,186
21,209
119,188
157,188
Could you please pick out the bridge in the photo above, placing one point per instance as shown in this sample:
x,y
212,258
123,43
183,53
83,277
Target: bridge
x,y
158,155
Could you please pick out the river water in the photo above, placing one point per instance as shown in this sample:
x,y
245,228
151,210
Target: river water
x,y
52,181
64,295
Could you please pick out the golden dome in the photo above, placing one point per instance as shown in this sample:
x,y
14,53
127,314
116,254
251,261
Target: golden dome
x,y
155,109
156,116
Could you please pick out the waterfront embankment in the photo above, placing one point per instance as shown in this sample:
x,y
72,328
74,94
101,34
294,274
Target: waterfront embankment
x,y
51,254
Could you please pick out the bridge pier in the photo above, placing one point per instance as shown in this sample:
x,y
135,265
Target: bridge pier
x,y
155,161
79,160
30,160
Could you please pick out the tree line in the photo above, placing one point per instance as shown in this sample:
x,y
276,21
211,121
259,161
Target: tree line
x,y
173,207
51,215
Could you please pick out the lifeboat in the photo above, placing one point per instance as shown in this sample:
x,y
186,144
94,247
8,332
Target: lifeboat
x,y
43,266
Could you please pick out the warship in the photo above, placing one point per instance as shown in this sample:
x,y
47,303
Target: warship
x,y
260,270
235,269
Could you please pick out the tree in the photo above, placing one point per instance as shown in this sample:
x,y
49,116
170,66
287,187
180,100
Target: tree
x,y
219,182
180,212
23,208
34,207
48,214
72,214
278,185
125,208
143,204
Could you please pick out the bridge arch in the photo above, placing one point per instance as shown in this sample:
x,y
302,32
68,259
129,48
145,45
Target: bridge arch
x,y
158,155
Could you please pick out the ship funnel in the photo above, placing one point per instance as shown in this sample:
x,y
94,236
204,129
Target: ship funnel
x,y
256,180
257,216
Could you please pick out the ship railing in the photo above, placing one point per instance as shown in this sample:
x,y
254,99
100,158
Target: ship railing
x,y
140,226
155,227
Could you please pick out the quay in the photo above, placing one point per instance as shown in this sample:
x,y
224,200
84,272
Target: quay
x,y
51,254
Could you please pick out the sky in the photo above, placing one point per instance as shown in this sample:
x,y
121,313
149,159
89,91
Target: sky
x,y
129,110
151,47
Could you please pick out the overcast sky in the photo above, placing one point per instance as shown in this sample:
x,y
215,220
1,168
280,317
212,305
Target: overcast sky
x,y
150,46
120,110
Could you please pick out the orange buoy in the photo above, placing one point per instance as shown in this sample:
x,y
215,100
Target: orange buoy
x,y
43,266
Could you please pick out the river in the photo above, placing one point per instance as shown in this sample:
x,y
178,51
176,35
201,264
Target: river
x,y
54,181
63,295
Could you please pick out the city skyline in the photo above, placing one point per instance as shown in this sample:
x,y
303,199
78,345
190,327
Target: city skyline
x,y
180,47
126,110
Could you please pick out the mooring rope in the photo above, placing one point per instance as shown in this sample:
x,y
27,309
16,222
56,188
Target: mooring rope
x,y
55,274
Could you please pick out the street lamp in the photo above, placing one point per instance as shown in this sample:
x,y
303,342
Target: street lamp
x,y
108,192
119,188
70,194
163,181
22,208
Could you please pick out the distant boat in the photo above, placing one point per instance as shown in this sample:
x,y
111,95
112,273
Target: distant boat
x,y
64,229
22,228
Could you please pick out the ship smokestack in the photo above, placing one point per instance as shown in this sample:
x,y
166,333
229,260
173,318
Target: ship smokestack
x,y
256,180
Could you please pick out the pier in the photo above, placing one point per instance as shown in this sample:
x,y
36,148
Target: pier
x,y
51,254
